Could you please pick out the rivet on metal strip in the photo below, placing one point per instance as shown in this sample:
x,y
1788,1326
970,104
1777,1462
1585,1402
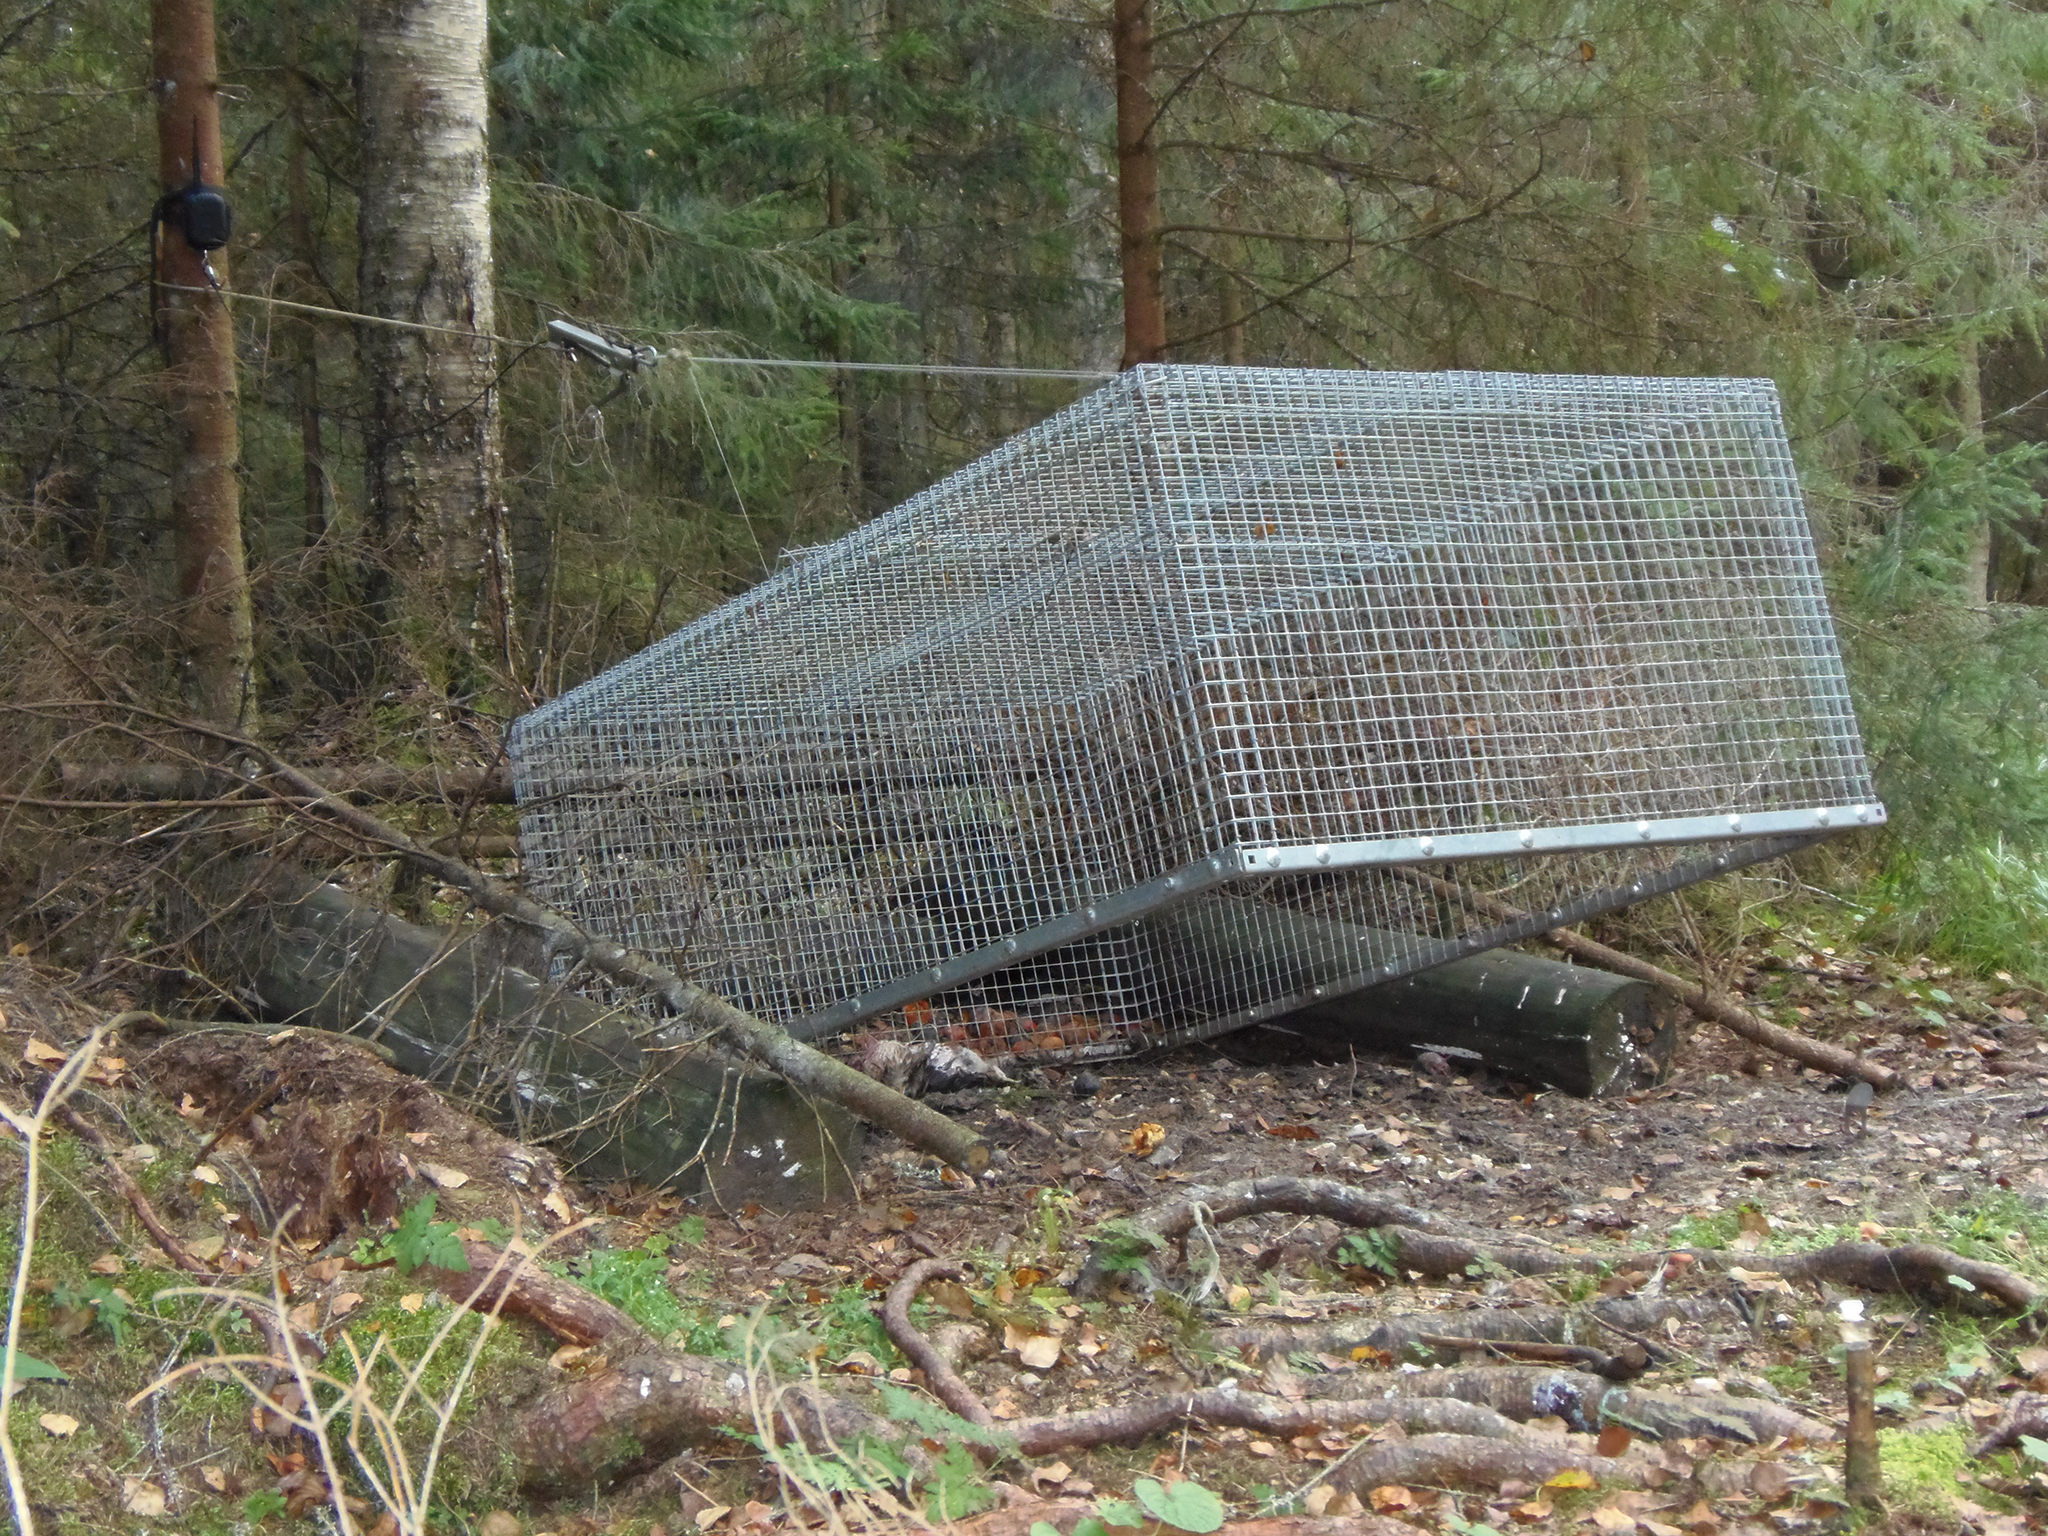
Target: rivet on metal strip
x,y
1863,813
1643,830
1734,823
1821,817
1322,853
1273,858
1528,838
1427,845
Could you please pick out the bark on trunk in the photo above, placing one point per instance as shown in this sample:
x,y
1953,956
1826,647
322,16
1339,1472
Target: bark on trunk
x,y
1137,185
199,346
1970,415
425,256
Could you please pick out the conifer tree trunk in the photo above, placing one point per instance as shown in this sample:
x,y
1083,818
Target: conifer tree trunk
x,y
199,347
1970,414
1137,184
425,256
305,255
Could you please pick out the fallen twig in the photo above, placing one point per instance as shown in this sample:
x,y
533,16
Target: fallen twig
x,y
1703,1000
130,1191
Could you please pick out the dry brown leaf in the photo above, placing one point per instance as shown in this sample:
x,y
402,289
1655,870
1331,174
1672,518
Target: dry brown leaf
x,y
39,1053
951,1297
1571,1477
1055,1474
1318,1499
1263,1448
62,1425
1613,1521
108,1264
1534,1512
214,1478
419,1138
1770,1480
305,1317
711,1515
204,1173
1144,1139
443,1176
557,1205
140,1496
1614,1439
1389,1497
106,1070
1293,1132
344,1304
413,1302
142,1154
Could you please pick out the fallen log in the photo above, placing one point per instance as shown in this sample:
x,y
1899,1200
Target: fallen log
x,y
1588,1032
546,1064
1701,999
769,1044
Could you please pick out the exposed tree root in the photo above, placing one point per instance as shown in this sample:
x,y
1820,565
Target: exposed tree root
x,y
1913,1269
1589,1403
1064,1514
1624,1365
945,1382
1402,1336
565,1309
2026,1414
1468,1461
1214,1205
1223,1407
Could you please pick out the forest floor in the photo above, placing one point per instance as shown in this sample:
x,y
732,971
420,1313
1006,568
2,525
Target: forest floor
x,y
1736,1152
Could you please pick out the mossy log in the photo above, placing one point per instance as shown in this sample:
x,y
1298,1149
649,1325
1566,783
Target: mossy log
x,y
547,1064
1535,1020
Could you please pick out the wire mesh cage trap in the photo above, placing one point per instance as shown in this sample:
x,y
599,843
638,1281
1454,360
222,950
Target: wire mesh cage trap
x,y
1220,692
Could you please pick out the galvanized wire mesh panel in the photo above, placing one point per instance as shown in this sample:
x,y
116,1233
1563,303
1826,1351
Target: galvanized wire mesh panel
x,y
1221,690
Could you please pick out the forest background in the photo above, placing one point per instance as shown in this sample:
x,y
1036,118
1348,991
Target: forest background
x,y
1850,198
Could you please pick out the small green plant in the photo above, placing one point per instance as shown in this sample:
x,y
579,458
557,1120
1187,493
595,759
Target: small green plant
x,y
1788,1378
1371,1249
110,1309
1124,1248
690,1230
635,1280
417,1239
1184,1506
262,1504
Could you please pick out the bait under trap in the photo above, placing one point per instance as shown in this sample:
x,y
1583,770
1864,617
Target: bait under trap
x,y
1220,693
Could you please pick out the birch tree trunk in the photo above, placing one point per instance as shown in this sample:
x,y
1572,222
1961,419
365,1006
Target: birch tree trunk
x,y
1137,185
425,237
199,379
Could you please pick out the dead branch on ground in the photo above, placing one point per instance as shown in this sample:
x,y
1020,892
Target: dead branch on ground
x,y
796,1062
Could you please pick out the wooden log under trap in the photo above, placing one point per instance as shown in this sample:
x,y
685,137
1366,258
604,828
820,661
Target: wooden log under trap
x,y
547,1064
1588,1032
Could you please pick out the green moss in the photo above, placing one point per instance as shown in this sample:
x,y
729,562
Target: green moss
x,y
1920,1466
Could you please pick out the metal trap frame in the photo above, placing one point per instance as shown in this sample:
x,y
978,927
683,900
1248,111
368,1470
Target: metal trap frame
x,y
1222,691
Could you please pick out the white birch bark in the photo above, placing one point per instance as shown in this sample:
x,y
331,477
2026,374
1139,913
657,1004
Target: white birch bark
x,y
425,234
